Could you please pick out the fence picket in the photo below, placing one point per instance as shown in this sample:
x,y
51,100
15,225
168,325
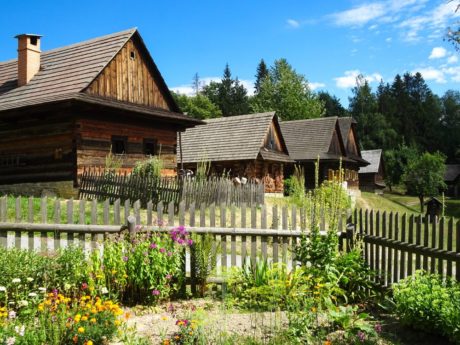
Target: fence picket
x,y
433,243
410,256
441,246
450,232
402,267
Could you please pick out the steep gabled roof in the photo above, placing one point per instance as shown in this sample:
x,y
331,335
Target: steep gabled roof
x,y
230,138
308,139
374,158
345,125
67,71
452,172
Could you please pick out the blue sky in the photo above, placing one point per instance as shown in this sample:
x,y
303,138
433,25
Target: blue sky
x,y
330,42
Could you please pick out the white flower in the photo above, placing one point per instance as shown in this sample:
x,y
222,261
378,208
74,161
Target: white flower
x,y
12,315
104,290
2,288
42,289
67,286
20,330
33,294
23,303
16,280
11,341
29,279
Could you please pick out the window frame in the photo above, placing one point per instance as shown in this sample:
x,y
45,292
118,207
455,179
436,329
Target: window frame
x,y
118,138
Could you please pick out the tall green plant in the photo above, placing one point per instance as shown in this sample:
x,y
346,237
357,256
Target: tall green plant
x,y
205,259
149,168
203,168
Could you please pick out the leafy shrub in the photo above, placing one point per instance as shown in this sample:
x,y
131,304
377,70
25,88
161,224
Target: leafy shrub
x,y
143,268
430,303
149,168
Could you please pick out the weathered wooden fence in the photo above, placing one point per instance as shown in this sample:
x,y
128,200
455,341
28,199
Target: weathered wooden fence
x,y
101,185
395,245
220,190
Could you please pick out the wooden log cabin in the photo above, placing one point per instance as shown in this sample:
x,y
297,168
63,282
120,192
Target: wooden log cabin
x,y
371,177
249,146
63,110
313,139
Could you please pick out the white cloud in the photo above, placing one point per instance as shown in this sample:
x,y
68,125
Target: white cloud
x,y
388,39
436,20
293,23
349,79
452,59
360,15
187,89
431,73
315,86
437,53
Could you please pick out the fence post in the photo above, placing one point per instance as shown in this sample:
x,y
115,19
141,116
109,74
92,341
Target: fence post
x,y
350,236
131,224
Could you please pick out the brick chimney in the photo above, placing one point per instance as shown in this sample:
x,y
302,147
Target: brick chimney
x,y
28,57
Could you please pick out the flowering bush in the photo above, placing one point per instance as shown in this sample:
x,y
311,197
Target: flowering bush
x,y
61,320
143,268
189,333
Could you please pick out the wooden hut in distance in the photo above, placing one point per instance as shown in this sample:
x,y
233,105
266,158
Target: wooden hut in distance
x,y
62,110
371,177
249,146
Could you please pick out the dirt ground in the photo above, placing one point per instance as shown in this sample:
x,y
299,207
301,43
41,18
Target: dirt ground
x,y
158,323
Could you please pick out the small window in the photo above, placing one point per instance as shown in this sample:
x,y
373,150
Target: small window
x,y
150,147
132,55
119,145
33,41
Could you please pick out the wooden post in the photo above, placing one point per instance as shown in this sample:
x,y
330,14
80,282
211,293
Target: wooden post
x,y
131,224
350,236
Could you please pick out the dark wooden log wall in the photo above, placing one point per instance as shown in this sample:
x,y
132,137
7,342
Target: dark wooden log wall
x,y
271,173
36,149
128,78
94,138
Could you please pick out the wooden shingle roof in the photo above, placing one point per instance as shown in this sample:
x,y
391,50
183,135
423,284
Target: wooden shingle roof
x,y
230,138
345,125
374,158
66,72
308,139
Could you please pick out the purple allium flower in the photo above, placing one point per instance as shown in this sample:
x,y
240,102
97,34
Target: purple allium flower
x,y
155,292
180,241
162,250
153,246
190,242
125,258
361,336
378,327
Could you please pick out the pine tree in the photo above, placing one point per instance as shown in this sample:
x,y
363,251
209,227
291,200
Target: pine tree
x,y
261,74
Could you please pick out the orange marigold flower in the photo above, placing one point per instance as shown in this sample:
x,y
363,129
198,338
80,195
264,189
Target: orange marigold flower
x,y
166,342
75,338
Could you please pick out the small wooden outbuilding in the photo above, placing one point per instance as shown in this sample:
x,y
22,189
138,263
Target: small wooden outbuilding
x,y
452,180
371,177
433,207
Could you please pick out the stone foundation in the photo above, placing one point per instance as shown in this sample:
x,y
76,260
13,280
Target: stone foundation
x,y
62,189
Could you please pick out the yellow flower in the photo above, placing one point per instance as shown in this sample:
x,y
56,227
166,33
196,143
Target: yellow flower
x,y
166,342
164,318
117,322
89,342
77,318
114,271
84,318
313,309
93,320
81,330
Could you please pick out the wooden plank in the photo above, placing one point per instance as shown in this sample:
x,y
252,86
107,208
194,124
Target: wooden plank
x,y
371,247
450,233
402,266
233,237
116,212
441,246
57,220
18,234
410,257
106,213
418,240
294,217
434,234
70,221
390,265
426,236
127,210
377,247
275,226
171,213
182,213
384,251
243,237
203,215
457,250
94,211
160,221
149,213
82,211
396,252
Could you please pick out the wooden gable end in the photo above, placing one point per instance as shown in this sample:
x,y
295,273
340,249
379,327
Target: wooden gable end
x,y
129,77
273,139
335,146
352,146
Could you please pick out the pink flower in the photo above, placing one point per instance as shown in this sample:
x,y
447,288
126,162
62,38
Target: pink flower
x,y
162,250
153,246
125,258
168,276
84,286
155,292
169,253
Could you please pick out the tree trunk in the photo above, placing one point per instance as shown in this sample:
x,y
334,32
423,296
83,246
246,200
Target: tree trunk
x,y
421,203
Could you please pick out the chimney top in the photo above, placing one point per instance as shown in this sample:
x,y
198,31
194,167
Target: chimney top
x,y
28,57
